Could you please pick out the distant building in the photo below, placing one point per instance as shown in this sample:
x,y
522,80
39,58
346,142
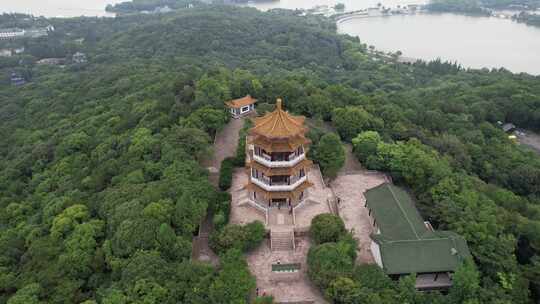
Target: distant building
x,y
162,9
406,60
36,33
241,106
10,52
79,58
8,34
51,61
18,50
403,243
17,80
5,53
508,127
374,11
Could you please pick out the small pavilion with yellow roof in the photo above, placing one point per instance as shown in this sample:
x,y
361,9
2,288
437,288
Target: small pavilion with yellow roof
x,y
241,106
276,160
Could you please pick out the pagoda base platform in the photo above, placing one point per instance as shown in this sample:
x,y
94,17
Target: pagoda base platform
x,y
245,210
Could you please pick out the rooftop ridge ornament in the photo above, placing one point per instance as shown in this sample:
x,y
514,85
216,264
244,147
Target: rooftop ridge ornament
x,y
279,124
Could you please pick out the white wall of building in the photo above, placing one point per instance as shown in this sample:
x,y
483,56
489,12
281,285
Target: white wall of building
x,y
376,252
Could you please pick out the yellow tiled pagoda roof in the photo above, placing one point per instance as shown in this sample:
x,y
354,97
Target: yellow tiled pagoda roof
x,y
278,124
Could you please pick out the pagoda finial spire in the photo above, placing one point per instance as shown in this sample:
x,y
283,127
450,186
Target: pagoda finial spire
x,y
279,104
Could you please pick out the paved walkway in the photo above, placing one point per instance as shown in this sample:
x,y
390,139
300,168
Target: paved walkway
x,y
292,287
225,145
351,183
350,189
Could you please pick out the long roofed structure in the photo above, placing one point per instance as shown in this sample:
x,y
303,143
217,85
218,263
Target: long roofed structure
x,y
404,242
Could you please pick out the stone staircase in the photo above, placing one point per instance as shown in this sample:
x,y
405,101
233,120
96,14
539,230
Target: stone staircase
x,y
282,240
243,197
280,217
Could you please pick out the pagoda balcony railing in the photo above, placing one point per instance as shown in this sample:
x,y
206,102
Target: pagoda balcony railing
x,y
265,184
266,161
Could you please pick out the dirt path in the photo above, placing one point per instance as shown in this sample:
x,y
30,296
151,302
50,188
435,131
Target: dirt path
x,y
530,139
352,165
225,145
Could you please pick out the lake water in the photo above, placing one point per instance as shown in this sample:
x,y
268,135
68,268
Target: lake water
x,y
57,8
475,42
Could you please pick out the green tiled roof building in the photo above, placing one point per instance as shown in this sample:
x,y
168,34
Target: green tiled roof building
x,y
403,243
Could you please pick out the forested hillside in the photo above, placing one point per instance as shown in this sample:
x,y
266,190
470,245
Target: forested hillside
x,y
101,187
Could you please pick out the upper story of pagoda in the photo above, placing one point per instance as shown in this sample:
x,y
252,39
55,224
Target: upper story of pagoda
x,y
278,138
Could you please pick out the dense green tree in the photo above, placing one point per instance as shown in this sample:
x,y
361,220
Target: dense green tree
x,y
466,284
206,119
326,228
328,262
244,238
26,295
93,153
350,121
372,276
365,145
345,291
233,282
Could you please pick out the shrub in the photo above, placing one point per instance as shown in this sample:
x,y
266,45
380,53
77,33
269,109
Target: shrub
x,y
239,237
225,173
240,158
255,234
327,228
219,220
220,208
264,300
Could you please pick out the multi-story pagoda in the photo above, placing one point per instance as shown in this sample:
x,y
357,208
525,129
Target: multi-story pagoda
x,y
276,162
